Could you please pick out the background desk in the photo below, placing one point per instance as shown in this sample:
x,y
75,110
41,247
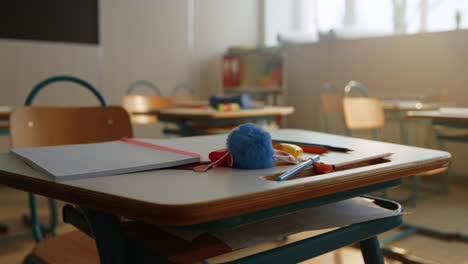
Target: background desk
x,y
225,196
191,122
5,112
448,119
396,110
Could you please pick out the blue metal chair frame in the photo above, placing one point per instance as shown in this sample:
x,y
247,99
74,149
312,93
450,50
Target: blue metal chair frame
x,y
145,83
114,248
183,86
35,222
327,88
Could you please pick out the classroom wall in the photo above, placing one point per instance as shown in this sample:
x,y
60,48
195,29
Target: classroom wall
x,y
167,42
407,66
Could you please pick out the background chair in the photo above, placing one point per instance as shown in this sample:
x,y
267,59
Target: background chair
x,y
331,107
362,113
185,95
37,228
141,106
46,126
367,114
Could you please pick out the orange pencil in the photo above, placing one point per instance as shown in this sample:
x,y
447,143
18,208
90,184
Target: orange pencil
x,y
322,168
314,150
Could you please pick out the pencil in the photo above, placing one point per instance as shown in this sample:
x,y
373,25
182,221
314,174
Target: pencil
x,y
332,148
348,164
298,168
314,150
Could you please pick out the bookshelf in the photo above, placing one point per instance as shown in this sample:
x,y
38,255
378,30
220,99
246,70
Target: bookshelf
x,y
257,71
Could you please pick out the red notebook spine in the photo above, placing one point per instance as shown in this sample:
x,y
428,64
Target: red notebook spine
x,y
155,146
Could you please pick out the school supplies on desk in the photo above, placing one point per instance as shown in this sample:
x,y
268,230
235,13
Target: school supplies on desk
x,y
68,162
322,168
306,144
298,168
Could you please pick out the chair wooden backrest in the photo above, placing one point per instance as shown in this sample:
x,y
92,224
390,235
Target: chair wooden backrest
x,y
49,126
363,113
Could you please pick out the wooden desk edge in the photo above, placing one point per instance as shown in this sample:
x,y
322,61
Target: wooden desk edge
x,y
189,214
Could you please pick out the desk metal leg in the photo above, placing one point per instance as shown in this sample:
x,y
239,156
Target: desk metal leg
x,y
3,229
110,242
371,251
112,245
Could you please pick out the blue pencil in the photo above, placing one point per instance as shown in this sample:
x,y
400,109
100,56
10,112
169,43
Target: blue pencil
x,y
298,168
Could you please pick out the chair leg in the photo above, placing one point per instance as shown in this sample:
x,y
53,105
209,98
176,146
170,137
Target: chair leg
x,y
371,251
32,259
53,217
34,221
36,225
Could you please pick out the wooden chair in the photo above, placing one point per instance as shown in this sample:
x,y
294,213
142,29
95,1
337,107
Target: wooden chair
x,y
331,106
36,225
139,106
365,113
48,126
184,95
45,126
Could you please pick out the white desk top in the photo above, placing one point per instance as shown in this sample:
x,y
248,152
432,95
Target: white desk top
x,y
406,105
450,113
186,197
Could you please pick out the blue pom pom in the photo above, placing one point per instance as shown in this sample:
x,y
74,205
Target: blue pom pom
x,y
250,147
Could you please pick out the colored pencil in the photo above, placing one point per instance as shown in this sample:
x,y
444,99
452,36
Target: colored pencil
x,y
329,147
298,168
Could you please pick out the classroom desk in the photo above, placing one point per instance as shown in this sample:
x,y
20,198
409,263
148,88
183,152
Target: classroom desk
x,y
450,115
397,109
223,197
191,121
451,118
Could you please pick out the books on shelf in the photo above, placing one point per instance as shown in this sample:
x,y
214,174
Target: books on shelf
x,y
68,162
245,67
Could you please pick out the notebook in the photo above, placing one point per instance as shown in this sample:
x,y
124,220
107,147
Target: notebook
x,y
70,162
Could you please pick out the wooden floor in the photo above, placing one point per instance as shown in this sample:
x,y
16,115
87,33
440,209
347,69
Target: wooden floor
x,y
445,211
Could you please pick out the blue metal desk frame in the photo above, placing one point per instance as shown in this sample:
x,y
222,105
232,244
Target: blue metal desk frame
x,y
114,248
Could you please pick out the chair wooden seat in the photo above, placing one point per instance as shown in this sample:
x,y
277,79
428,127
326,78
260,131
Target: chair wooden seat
x,y
70,248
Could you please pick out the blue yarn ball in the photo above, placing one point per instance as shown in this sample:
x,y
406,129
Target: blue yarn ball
x,y
250,147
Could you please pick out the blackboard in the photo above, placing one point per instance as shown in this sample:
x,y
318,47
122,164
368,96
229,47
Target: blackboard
x,y
73,21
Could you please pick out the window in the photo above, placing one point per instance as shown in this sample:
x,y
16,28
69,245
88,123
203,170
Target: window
x,y
309,20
